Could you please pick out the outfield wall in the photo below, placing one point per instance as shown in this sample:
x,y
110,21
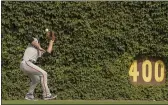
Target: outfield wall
x,y
96,44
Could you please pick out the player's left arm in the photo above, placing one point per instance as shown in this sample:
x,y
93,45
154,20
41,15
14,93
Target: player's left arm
x,y
50,46
49,49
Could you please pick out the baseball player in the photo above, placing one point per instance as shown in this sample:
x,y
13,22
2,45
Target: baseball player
x,y
35,73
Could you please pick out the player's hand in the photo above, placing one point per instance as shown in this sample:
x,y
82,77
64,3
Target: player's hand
x,y
41,49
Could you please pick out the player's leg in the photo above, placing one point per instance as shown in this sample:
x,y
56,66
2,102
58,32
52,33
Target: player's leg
x,y
35,79
43,76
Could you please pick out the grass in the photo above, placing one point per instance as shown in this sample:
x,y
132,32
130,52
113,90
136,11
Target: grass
x,y
81,102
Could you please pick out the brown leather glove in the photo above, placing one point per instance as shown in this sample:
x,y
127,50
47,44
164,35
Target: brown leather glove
x,y
51,36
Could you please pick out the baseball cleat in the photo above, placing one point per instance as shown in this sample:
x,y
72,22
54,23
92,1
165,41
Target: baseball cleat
x,y
50,97
29,96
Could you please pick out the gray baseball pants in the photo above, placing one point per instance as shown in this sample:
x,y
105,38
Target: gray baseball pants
x,y
36,74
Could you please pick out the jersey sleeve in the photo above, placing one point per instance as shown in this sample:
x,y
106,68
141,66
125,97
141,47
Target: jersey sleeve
x,y
45,57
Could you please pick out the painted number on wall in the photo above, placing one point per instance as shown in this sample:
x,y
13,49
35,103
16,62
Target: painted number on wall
x,y
147,72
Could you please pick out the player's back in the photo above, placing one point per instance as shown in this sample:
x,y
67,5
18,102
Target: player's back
x,y
31,53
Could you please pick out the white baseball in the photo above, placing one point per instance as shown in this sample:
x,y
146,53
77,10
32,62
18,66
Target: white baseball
x,y
46,29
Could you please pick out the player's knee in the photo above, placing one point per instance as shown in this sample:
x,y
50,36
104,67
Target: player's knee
x,y
35,82
38,80
45,73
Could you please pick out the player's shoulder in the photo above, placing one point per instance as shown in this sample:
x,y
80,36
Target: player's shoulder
x,y
31,39
35,39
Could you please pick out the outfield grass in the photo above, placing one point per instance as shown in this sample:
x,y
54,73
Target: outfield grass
x,y
81,102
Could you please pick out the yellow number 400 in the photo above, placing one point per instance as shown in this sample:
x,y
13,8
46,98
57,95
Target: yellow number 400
x,y
147,64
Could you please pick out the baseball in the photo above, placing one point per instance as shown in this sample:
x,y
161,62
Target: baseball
x,y
46,29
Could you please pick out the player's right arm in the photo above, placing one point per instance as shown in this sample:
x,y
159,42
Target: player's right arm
x,y
35,44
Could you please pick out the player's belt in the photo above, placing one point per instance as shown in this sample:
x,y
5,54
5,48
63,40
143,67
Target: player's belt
x,y
32,61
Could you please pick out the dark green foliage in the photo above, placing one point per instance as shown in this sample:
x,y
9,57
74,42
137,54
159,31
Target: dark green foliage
x,y
96,44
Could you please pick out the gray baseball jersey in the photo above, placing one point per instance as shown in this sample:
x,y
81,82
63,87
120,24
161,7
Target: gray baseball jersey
x,y
32,53
34,72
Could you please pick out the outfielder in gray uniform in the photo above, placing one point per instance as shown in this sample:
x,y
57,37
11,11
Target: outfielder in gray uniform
x,y
35,73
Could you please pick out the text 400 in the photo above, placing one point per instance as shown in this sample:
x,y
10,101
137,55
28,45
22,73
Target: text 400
x,y
147,78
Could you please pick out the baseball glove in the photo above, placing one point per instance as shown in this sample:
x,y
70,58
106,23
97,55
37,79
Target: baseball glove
x,y
51,36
